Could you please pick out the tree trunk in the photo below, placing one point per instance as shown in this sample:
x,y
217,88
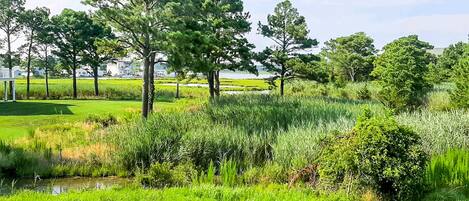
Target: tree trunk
x,y
95,77
211,84
282,81
46,61
217,83
10,63
28,67
74,73
151,90
177,85
146,66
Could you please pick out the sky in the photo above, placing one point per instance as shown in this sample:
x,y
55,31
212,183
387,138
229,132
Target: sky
x,y
440,22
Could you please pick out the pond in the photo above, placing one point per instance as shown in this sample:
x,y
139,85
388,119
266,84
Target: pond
x,y
62,185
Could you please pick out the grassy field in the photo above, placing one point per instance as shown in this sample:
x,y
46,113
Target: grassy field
x,y
209,193
17,119
127,89
197,148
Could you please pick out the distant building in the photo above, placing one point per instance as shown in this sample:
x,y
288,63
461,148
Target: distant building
x,y
5,72
123,68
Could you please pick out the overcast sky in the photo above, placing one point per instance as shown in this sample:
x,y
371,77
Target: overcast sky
x,y
440,22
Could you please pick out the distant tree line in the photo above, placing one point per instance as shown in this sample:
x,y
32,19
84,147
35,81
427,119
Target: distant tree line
x,y
208,36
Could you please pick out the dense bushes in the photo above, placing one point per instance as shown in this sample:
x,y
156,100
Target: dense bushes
x,y
377,153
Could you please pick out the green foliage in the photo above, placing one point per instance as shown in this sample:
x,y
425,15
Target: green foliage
x,y
448,61
289,31
377,153
161,175
350,58
460,96
228,172
364,93
102,120
198,193
448,170
16,162
440,131
401,71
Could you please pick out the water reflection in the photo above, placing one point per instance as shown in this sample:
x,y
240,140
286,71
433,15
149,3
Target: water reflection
x,y
58,186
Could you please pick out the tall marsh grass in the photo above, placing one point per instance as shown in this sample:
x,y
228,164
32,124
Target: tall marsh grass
x,y
449,170
440,131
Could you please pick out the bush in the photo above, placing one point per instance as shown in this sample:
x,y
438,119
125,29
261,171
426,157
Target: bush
x,y
161,175
460,96
364,93
102,120
379,154
401,71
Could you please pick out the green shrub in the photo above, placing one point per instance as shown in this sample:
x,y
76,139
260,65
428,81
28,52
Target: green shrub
x,y
460,96
378,153
158,176
364,93
448,170
102,120
401,71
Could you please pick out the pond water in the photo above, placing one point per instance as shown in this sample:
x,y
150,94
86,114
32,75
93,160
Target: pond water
x,y
58,186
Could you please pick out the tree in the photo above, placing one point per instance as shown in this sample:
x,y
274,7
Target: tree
x,y
289,31
70,30
447,62
401,72
141,27
10,23
98,51
351,57
45,42
34,21
460,96
217,31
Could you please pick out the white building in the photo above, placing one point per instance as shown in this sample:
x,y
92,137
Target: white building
x,y
123,68
5,72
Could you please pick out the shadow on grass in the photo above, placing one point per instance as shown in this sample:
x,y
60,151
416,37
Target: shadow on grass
x,y
33,108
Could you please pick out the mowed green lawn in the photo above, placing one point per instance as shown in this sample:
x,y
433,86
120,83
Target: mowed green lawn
x,y
17,119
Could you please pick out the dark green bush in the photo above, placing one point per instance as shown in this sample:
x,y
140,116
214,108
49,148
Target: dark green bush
x,y
379,154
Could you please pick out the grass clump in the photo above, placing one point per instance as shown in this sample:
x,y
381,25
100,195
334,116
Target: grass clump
x,y
449,170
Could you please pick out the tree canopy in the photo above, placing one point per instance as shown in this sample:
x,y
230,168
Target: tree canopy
x,y
350,58
290,34
401,72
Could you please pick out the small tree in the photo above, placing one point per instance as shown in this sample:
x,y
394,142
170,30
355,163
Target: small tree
x,y
97,51
460,96
34,21
10,23
70,30
352,57
379,154
289,31
141,26
401,72
447,62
